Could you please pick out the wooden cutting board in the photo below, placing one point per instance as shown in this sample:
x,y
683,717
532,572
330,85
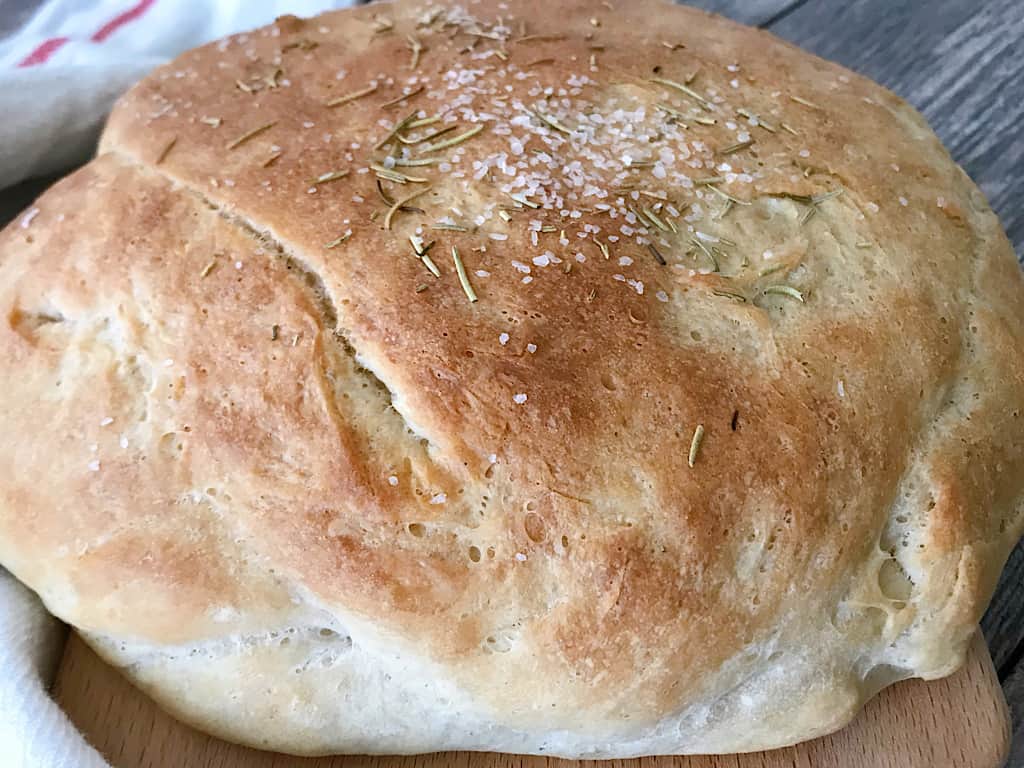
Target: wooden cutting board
x,y
959,722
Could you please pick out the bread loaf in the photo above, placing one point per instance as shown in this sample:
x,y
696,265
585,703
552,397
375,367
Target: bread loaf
x,y
584,379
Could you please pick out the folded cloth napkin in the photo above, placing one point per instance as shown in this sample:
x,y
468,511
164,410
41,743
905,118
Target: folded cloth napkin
x,y
60,72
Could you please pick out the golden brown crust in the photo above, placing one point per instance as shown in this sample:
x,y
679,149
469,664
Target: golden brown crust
x,y
501,492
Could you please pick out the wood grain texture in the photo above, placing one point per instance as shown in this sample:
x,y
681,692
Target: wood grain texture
x,y
960,721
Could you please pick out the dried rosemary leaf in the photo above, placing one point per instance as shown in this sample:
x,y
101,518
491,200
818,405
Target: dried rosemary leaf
x,y
463,277
695,441
166,150
399,203
430,265
784,290
805,102
251,134
730,295
398,100
684,89
453,141
338,241
736,147
326,178
351,96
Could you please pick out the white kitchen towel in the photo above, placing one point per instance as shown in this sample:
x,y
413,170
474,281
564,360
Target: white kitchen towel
x,y
61,72
59,75
34,733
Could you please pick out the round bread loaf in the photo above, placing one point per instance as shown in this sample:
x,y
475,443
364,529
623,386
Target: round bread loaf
x,y
570,378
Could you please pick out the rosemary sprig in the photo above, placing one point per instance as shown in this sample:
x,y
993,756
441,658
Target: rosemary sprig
x,y
743,112
250,134
730,295
656,254
675,114
538,38
523,200
416,47
706,251
805,102
430,265
784,290
726,195
398,100
423,121
166,150
732,148
338,241
684,89
428,137
463,277
443,226
453,141
399,203
351,96
655,220
410,162
396,176
695,441
326,178
398,128
552,122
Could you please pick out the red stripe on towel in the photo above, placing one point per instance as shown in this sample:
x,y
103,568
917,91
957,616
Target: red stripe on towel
x,y
43,52
120,20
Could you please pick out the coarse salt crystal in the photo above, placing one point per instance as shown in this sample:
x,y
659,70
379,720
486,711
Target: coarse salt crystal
x,y
904,202
107,421
26,220
439,498
661,296
519,398
841,388
94,465
520,557
482,273
531,348
392,480
503,339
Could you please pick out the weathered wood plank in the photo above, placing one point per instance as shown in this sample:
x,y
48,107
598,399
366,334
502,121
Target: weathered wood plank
x,y
1003,623
958,62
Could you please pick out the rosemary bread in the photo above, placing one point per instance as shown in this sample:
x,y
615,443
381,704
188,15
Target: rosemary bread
x,y
537,377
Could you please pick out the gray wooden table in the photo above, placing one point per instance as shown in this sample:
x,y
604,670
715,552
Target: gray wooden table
x,y
961,62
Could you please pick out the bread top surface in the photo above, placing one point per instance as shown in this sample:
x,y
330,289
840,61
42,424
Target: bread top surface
x,y
219,414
